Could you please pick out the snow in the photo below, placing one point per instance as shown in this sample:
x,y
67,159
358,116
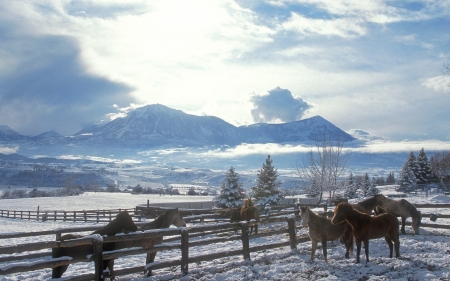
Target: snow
x,y
423,257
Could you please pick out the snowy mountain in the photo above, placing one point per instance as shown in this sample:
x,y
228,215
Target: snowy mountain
x,y
8,134
157,124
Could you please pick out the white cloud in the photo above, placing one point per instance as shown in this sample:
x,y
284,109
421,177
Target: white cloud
x,y
438,84
342,27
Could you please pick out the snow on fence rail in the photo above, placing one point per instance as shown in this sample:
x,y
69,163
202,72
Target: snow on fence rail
x,y
12,257
54,215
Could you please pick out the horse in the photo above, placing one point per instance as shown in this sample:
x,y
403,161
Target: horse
x,y
123,223
170,217
235,214
321,229
366,206
399,208
249,212
366,227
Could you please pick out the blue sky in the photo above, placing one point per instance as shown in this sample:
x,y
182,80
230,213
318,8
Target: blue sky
x,y
372,66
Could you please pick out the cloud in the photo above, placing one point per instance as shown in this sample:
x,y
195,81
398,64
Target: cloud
x,y
49,88
279,105
438,84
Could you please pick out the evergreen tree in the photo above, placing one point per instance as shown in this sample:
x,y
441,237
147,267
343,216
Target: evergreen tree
x,y
412,164
390,179
424,172
231,193
350,188
406,178
266,191
373,190
365,185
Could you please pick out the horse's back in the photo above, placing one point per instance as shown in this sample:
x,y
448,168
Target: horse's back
x,y
384,224
250,213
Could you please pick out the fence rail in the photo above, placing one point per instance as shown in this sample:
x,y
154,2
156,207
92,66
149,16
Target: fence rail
x,y
57,215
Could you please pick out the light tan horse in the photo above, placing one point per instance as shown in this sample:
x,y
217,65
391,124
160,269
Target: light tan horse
x,y
321,229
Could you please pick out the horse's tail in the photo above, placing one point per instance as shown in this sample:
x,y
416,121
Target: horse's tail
x,y
351,243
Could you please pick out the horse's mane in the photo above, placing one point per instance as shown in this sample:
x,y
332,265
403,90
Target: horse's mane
x,y
159,222
410,207
368,203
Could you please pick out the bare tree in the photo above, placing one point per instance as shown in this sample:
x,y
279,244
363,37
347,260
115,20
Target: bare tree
x,y
440,165
323,167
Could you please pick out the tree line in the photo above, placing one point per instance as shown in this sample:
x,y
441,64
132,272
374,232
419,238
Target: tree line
x,y
323,170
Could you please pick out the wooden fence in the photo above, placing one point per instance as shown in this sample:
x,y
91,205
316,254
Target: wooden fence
x,y
12,257
181,238
75,216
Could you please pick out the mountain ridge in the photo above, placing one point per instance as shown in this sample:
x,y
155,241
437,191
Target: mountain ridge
x,y
155,125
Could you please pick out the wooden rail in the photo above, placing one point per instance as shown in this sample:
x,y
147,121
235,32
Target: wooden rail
x,y
58,215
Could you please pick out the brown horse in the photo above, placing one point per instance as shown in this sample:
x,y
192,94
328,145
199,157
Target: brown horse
x,y
123,223
366,227
321,229
170,217
399,208
250,212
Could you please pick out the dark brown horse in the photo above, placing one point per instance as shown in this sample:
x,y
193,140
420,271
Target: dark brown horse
x,y
366,227
123,223
399,208
235,214
321,229
250,212
170,217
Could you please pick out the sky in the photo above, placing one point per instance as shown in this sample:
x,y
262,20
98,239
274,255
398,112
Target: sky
x,y
370,66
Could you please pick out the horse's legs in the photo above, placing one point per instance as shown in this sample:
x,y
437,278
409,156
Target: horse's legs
x,y
58,271
256,229
403,225
358,249
313,248
391,246
397,246
324,249
366,249
150,258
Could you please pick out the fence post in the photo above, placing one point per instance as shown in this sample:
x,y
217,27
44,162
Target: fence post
x,y
55,216
74,216
85,216
245,241
97,244
37,214
184,250
292,229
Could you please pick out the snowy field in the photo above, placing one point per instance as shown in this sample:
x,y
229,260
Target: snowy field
x,y
423,257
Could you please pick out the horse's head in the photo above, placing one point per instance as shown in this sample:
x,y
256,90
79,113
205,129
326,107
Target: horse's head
x,y
248,202
176,218
340,212
416,221
126,221
304,213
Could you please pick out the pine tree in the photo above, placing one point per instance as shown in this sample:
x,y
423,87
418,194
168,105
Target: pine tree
x,y
350,188
390,179
365,185
424,172
231,194
373,190
266,191
412,164
406,178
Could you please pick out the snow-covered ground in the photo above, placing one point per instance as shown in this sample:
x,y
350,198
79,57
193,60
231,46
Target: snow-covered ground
x,y
423,257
